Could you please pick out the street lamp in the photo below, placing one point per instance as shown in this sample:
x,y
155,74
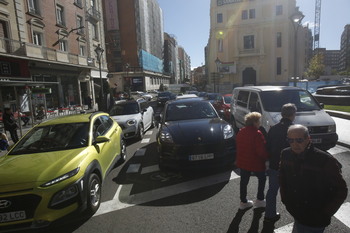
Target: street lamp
x,y
127,79
99,51
296,19
217,62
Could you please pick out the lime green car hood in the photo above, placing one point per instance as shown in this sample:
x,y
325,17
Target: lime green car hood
x,y
38,167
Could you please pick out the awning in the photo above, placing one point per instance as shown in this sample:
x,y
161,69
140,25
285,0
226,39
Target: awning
x,y
23,83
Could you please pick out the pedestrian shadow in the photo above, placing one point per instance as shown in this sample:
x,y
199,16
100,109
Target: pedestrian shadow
x,y
254,227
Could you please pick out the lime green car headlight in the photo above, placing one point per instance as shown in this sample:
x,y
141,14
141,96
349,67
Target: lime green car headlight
x,y
64,195
61,178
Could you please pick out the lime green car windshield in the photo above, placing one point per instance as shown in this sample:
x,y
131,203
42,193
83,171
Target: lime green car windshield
x,y
53,138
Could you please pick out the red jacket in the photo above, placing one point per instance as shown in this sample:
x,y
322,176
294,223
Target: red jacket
x,y
251,152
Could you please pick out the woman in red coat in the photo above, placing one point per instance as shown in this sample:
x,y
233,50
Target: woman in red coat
x,y
250,158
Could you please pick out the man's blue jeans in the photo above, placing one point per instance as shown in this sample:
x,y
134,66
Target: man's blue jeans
x,y
271,195
299,228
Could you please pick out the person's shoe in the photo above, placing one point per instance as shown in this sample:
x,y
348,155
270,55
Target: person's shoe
x,y
273,219
246,205
260,204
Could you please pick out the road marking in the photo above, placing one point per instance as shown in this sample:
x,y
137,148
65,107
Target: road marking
x,y
145,140
133,168
337,150
140,152
343,214
122,199
149,133
285,229
149,169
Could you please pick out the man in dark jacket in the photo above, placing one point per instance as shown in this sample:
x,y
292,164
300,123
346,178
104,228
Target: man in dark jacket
x,y
10,124
276,142
312,186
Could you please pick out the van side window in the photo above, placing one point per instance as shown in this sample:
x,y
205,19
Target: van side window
x,y
254,105
242,99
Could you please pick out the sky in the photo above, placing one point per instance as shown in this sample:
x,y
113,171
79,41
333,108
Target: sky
x,y
189,22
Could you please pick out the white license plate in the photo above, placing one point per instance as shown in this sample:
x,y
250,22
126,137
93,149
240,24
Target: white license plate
x,y
316,140
201,157
12,216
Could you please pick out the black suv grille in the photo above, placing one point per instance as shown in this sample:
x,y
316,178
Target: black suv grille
x,y
318,129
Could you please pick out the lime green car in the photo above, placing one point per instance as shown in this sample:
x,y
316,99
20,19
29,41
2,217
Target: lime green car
x,y
58,168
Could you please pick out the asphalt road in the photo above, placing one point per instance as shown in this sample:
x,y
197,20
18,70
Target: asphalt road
x,y
137,197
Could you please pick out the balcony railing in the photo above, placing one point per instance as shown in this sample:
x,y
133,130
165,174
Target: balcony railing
x,y
95,14
22,49
249,52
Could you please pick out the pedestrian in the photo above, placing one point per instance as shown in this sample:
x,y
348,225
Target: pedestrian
x,y
251,156
276,142
4,142
88,101
24,118
10,124
311,184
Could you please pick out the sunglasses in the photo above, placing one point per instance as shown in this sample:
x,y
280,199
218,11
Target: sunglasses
x,y
297,140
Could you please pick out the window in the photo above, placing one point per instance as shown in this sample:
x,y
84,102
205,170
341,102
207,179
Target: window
x,y
254,104
33,6
219,18
82,50
279,66
279,10
244,14
279,39
63,45
252,14
220,46
242,98
248,42
94,32
80,24
60,15
78,3
37,38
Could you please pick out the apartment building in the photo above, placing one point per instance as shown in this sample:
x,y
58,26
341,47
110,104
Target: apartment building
x,y
255,42
135,40
345,49
50,45
171,64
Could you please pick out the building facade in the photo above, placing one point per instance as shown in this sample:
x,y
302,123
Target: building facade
x,y
171,58
345,49
51,45
254,43
135,39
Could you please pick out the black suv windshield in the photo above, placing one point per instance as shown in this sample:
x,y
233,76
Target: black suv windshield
x,y
190,110
124,109
274,100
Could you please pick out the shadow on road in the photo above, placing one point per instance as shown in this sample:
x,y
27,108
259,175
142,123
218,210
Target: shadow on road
x,y
254,227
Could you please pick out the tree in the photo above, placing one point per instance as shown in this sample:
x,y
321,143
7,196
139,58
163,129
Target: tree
x,y
316,67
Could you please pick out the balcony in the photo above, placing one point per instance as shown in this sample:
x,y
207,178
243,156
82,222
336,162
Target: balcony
x,y
22,50
94,14
249,52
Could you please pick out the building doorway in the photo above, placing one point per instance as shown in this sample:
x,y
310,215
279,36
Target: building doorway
x,y
249,77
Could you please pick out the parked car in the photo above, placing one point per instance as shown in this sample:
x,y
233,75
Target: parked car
x,y
134,116
211,97
58,168
163,97
192,135
268,100
222,105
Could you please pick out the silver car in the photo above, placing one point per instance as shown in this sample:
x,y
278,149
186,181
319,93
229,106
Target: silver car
x,y
133,116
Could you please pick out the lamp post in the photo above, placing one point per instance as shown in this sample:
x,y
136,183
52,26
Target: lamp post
x,y
99,51
127,79
217,62
296,19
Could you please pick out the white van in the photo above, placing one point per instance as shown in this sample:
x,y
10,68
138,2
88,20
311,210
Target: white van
x,y
268,100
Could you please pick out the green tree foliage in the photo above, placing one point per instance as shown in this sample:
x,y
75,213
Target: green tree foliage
x,y
316,67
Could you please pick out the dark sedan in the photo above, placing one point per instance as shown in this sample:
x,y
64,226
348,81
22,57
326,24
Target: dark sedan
x,y
192,135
